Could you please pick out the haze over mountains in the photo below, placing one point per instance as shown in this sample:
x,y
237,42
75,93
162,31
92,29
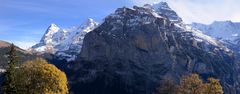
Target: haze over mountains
x,y
134,49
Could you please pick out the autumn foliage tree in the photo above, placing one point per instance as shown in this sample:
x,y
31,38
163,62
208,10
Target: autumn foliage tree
x,y
192,84
39,77
213,86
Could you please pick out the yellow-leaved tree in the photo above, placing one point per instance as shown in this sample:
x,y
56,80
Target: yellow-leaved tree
x,y
39,77
192,84
213,86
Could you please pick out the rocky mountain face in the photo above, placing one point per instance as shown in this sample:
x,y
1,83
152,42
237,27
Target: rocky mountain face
x,y
134,49
64,43
225,31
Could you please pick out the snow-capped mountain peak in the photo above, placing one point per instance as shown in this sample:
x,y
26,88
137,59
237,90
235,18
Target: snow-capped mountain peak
x,y
138,38
226,30
65,43
89,25
162,13
53,25
90,21
162,5
163,8
52,29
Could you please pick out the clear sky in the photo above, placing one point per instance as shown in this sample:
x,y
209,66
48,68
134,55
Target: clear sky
x,y
23,22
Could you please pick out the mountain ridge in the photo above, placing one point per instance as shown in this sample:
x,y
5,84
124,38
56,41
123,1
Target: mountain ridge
x,y
4,48
137,48
227,32
64,43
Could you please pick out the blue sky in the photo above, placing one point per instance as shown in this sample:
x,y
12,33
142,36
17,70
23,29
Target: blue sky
x,y
23,22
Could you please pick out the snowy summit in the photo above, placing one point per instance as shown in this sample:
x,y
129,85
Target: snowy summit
x,y
65,43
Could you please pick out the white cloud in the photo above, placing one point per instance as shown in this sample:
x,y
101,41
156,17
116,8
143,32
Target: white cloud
x,y
204,11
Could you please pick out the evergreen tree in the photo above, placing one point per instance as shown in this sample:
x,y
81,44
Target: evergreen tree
x,y
9,85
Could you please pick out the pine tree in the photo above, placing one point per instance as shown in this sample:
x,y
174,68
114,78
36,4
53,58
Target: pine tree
x,y
9,85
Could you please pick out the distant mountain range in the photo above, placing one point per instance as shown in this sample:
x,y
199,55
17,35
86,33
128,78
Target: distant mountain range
x,y
134,49
224,30
64,43
227,32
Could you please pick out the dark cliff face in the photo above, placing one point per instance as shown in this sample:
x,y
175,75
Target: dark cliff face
x,y
133,50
